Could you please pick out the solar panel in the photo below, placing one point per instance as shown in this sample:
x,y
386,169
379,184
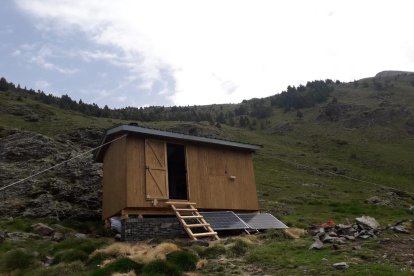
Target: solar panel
x,y
225,220
262,221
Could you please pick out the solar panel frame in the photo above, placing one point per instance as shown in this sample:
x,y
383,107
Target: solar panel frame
x,y
262,221
224,220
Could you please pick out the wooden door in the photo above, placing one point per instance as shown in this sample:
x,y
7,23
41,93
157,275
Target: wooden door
x,y
156,169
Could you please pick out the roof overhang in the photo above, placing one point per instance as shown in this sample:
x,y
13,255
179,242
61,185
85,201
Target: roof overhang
x,y
115,132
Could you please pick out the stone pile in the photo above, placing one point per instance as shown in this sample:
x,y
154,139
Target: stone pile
x,y
364,228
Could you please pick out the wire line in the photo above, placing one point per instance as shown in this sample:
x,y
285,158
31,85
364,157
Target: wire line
x,y
59,164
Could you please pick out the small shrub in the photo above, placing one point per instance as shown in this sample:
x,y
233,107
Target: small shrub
x,y
159,267
213,252
239,248
122,265
185,260
17,259
70,255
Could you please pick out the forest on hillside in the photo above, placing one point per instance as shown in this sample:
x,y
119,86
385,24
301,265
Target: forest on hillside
x,y
244,114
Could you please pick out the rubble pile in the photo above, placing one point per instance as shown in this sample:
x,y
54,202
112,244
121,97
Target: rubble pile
x,y
364,228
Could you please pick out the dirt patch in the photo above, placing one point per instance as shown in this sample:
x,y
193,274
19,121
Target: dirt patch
x,y
398,251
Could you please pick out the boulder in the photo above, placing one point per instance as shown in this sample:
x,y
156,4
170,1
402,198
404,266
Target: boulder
x,y
80,236
42,229
341,265
58,236
316,245
368,222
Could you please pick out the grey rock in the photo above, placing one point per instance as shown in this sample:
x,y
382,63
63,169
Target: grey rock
x,y
369,222
341,265
80,236
329,239
22,236
343,226
357,247
316,245
42,229
333,234
400,229
373,200
58,236
48,261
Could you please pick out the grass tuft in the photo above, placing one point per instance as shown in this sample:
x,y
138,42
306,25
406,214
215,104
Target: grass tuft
x,y
75,268
213,252
17,259
159,267
185,260
239,248
70,255
122,265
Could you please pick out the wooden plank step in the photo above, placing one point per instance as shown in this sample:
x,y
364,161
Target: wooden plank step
x,y
189,217
185,210
205,234
197,225
180,203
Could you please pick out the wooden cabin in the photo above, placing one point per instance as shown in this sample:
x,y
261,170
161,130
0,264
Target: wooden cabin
x,y
143,168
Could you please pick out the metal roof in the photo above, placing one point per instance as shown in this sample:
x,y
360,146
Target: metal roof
x,y
157,133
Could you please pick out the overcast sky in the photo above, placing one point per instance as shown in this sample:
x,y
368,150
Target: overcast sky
x,y
140,53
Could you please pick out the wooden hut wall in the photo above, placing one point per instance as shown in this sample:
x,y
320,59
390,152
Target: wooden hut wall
x,y
114,178
209,172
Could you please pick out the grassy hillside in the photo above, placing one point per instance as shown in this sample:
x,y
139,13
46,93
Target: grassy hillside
x,y
318,163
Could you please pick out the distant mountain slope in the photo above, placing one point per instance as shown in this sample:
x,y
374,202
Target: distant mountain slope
x,y
317,139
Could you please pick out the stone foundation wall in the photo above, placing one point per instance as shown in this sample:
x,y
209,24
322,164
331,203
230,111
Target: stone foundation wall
x,y
138,229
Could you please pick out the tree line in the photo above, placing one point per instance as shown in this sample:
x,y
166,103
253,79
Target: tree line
x,y
245,114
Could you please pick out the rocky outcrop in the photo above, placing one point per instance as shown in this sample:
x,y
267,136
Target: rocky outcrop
x,y
359,116
71,190
391,73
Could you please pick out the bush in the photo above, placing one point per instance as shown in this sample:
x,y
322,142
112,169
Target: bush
x,y
159,267
17,259
239,248
123,265
70,255
185,260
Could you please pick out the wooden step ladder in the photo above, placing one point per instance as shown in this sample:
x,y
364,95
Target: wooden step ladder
x,y
185,210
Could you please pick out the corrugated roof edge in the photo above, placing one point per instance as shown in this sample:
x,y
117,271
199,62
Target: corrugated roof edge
x,y
174,135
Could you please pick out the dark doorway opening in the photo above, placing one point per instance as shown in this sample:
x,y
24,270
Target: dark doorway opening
x,y
177,173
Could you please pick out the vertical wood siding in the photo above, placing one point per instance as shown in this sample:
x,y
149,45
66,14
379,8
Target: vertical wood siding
x,y
114,178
